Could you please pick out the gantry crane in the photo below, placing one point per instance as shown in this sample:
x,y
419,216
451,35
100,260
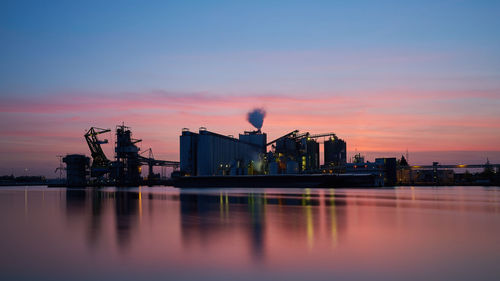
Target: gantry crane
x,y
100,163
151,161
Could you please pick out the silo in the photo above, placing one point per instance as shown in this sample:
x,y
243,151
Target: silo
x,y
76,169
188,152
335,152
310,160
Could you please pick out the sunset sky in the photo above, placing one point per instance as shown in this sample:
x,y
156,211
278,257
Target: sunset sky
x,y
386,76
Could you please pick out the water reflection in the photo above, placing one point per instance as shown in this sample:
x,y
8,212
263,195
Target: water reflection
x,y
206,216
90,205
390,234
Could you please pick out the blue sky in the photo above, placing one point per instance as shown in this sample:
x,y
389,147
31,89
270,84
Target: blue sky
x,y
219,45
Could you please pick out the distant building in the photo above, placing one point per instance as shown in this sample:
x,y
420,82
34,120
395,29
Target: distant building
x,y
385,168
426,176
389,168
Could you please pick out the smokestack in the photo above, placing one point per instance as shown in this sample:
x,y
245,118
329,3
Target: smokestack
x,y
256,117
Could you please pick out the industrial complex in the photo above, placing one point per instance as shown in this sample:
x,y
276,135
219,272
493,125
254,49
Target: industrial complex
x,y
207,157
210,159
207,153
124,170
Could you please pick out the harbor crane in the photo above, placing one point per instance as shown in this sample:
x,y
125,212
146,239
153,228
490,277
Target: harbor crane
x,y
100,163
126,169
151,161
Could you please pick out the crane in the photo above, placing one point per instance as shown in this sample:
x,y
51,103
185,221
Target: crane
x,y
151,161
282,137
100,163
295,135
331,134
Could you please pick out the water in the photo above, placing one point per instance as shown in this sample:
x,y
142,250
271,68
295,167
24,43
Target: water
x,y
163,233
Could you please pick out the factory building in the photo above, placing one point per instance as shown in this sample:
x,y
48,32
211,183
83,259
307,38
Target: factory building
x,y
335,152
76,169
295,153
207,153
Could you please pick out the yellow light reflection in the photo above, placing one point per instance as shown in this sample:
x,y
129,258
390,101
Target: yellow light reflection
x,y
140,204
221,206
226,209
309,217
333,218
310,226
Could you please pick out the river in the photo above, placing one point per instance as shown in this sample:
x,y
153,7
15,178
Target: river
x,y
163,233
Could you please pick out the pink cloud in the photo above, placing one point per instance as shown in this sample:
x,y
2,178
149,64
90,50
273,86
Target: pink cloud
x,y
379,121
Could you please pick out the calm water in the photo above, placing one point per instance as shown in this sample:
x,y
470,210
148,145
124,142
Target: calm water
x,y
164,233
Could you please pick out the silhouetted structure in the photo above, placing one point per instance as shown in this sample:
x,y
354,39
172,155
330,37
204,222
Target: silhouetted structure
x,y
100,163
124,171
206,153
335,152
127,167
76,169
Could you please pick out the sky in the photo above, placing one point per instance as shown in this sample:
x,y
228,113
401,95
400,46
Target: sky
x,y
385,76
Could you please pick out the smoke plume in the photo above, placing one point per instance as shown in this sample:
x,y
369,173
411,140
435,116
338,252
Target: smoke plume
x,y
256,117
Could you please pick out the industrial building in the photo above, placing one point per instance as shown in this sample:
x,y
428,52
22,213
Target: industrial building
x,y
209,159
294,153
335,152
207,153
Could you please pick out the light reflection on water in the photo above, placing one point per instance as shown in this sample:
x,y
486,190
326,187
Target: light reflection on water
x,y
247,234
